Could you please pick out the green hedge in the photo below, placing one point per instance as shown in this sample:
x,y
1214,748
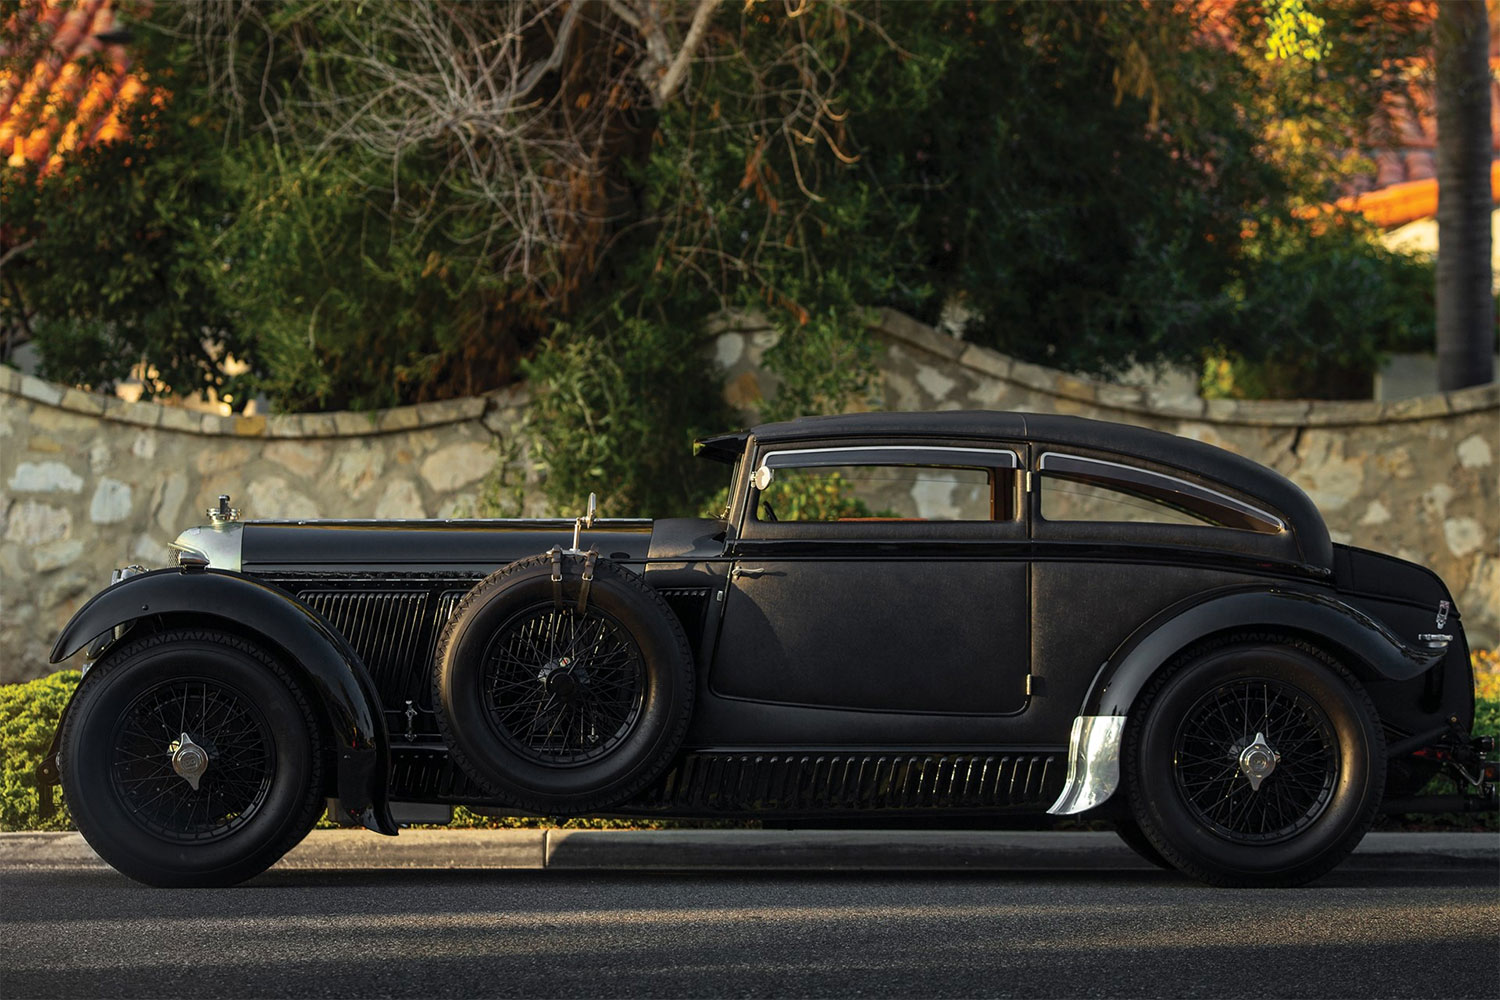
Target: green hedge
x,y
29,713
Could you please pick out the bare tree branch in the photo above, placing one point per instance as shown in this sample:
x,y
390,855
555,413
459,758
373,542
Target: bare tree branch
x,y
13,252
520,113
673,78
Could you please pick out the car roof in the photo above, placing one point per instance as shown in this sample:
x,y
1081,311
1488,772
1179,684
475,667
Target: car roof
x,y
1194,457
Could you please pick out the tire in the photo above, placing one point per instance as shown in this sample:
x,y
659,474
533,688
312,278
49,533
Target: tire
x,y
1130,832
1189,759
560,711
261,790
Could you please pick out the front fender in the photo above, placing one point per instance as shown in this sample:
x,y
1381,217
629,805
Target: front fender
x,y
332,669
1372,651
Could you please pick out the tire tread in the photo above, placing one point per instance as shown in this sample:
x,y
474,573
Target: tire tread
x,y
673,737
1208,874
308,811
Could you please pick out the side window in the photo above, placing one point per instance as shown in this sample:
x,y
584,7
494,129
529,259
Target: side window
x,y
862,483
1074,488
870,492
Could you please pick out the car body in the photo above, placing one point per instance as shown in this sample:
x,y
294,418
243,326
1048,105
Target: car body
x,y
960,618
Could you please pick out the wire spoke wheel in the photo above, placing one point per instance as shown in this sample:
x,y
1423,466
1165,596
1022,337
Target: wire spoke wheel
x,y
1256,760
234,767
562,687
564,684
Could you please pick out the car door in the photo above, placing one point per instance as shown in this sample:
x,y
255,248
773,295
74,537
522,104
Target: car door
x,y
886,578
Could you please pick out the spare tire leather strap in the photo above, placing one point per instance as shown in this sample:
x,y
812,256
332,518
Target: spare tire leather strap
x,y
557,559
588,578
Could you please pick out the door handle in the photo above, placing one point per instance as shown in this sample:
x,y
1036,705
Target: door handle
x,y
750,571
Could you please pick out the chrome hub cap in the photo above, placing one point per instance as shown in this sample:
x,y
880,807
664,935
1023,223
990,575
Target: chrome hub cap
x,y
189,760
562,678
193,760
1257,761
563,687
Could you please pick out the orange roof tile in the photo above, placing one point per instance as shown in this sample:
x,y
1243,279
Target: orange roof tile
x,y
1408,201
61,88
1403,144
1410,126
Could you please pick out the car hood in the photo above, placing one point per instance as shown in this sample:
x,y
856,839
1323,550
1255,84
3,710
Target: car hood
x,y
402,546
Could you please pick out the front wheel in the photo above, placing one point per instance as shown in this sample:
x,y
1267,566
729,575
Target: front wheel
x,y
1255,763
191,758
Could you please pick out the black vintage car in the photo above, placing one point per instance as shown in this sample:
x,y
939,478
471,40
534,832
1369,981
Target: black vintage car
x,y
900,618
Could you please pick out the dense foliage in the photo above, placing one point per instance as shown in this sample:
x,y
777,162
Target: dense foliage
x,y
384,204
29,714
117,263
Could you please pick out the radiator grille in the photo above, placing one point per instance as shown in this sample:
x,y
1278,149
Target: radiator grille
x,y
447,604
390,632
794,783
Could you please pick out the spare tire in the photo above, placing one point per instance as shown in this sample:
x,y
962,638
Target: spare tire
x,y
563,696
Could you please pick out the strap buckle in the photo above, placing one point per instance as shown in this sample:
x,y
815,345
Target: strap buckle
x,y
588,578
557,576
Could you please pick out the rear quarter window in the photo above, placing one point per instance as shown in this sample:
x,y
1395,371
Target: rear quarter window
x,y
1076,488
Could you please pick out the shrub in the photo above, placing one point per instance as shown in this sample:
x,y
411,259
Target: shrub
x,y
29,714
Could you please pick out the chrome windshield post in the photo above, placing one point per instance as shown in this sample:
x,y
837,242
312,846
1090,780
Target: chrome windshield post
x,y
586,521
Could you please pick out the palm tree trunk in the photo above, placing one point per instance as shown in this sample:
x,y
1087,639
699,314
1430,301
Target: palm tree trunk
x,y
1465,301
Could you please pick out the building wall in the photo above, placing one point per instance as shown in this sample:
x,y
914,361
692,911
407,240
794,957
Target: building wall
x,y
88,483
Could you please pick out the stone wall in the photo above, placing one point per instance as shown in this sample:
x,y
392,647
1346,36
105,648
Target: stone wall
x,y
88,483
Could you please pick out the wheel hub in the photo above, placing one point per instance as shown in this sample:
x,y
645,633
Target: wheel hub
x,y
1257,761
562,677
189,760
563,688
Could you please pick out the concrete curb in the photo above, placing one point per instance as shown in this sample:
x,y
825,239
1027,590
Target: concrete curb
x,y
688,850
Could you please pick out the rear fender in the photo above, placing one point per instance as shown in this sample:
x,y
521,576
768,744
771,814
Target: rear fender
x,y
1371,650
322,657
1366,646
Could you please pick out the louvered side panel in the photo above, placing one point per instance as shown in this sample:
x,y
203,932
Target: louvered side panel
x,y
428,774
690,605
793,783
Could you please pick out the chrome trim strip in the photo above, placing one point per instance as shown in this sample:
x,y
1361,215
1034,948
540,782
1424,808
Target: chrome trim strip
x,y
1093,763
476,522
221,545
1182,484
900,454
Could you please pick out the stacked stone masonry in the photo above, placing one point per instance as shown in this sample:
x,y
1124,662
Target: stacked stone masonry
x,y
88,483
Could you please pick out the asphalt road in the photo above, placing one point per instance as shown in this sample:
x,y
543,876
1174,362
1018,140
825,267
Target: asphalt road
x,y
1372,931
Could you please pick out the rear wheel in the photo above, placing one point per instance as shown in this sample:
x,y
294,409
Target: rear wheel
x,y
1130,832
191,758
1255,763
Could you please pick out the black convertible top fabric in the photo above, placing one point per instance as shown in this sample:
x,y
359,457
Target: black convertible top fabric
x,y
1193,457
